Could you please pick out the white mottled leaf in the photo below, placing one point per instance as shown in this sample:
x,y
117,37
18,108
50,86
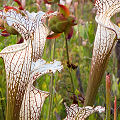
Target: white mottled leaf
x,y
106,36
32,103
74,112
40,67
23,65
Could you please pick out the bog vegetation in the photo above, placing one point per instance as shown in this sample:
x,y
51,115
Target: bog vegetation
x,y
74,50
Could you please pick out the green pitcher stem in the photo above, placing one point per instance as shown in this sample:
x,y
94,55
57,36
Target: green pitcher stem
x,y
69,62
51,84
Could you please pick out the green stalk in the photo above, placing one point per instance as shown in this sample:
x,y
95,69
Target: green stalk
x,y
51,85
115,111
2,106
108,105
114,60
69,62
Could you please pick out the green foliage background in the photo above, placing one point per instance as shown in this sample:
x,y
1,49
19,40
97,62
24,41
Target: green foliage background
x,y
80,52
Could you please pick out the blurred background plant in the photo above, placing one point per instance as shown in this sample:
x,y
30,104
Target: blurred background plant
x,y
80,53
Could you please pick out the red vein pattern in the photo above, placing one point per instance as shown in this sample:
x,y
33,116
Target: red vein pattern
x,y
32,104
30,27
23,66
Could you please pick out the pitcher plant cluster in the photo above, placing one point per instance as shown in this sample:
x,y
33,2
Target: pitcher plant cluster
x,y
24,63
